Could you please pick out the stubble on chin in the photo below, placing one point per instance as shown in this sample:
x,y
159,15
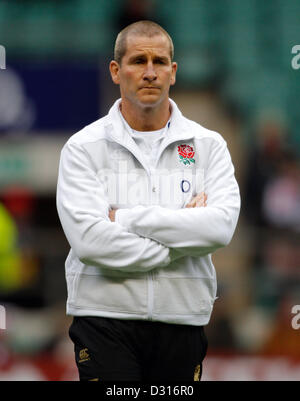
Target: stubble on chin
x,y
149,101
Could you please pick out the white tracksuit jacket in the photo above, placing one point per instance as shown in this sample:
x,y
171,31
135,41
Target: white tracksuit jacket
x,y
153,262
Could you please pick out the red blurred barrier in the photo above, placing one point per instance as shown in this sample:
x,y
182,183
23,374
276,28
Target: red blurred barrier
x,y
216,368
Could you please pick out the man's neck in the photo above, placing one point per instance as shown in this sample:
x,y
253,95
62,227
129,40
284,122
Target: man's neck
x,y
146,119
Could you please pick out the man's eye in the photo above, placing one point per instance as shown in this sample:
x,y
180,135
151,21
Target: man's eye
x,y
160,61
139,61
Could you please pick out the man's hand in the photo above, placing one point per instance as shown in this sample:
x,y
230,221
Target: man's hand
x,y
198,200
111,214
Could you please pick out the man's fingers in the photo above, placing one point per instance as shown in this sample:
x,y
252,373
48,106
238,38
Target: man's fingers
x,y
198,201
201,200
192,203
201,203
111,214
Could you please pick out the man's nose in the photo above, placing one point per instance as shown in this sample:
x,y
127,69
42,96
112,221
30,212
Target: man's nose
x,y
149,73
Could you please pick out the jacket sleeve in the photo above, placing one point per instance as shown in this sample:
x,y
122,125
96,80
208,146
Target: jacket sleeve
x,y
194,231
83,211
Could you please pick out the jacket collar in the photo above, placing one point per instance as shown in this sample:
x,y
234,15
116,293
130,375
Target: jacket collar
x,y
118,131
178,129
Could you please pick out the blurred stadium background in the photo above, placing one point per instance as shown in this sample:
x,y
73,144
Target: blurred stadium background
x,y
235,76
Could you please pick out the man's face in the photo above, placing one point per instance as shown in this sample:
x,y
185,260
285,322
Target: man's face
x,y
146,71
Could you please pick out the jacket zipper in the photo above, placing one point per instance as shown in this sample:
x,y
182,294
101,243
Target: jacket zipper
x,y
152,189
150,273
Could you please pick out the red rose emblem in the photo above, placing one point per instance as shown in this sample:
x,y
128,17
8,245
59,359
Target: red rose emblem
x,y
186,151
186,154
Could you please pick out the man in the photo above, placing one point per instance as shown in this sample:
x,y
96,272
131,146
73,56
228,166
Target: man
x,y
144,196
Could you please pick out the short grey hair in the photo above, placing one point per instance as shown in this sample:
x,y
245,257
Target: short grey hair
x,y
140,28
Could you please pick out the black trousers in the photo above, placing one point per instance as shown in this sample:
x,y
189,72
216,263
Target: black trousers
x,y
135,350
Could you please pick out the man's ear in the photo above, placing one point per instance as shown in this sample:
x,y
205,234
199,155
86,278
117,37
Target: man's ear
x,y
114,69
174,70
